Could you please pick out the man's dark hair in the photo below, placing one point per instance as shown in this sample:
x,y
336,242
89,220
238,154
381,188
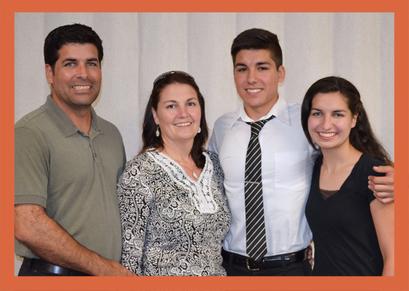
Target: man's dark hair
x,y
257,38
72,33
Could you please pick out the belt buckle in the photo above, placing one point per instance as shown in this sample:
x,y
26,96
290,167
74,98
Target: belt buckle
x,y
251,265
58,270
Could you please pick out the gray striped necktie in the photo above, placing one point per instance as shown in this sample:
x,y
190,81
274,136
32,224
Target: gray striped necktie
x,y
256,244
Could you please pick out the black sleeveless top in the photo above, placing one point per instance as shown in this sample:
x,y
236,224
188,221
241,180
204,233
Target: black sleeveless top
x,y
343,230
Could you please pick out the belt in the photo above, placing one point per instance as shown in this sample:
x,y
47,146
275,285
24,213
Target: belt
x,y
266,263
42,266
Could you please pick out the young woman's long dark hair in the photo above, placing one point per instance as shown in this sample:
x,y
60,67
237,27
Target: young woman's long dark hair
x,y
361,136
150,140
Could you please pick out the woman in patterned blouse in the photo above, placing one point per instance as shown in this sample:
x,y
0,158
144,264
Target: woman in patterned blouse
x,y
173,210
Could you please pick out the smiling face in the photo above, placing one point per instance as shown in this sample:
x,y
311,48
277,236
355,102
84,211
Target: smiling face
x,y
330,121
76,78
178,113
257,79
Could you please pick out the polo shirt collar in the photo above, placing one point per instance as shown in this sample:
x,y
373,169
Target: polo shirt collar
x,y
64,123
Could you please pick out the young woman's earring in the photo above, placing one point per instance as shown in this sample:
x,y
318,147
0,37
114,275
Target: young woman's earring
x,y
157,132
199,130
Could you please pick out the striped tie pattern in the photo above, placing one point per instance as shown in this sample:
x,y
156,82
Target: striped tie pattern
x,y
256,244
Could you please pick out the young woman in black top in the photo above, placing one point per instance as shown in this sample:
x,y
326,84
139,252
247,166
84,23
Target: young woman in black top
x,y
352,231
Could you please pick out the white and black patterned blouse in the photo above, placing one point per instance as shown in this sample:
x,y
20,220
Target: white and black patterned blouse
x,y
172,225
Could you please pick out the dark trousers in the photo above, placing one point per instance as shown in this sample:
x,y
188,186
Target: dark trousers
x,y
302,268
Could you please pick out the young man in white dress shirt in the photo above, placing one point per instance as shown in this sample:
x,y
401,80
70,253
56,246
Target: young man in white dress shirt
x,y
286,163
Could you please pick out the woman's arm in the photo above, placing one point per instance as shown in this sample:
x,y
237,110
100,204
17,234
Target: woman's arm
x,y
134,199
383,217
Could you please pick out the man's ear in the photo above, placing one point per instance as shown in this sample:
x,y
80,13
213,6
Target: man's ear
x,y
49,74
281,75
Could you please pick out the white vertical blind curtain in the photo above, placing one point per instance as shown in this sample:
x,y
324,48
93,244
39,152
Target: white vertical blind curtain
x,y
140,46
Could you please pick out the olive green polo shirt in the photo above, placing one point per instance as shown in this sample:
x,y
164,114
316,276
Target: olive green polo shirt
x,y
72,175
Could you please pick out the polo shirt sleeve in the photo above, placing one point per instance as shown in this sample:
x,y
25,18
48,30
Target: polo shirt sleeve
x,y
31,167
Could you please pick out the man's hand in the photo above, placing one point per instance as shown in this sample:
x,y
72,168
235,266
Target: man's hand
x,y
112,268
383,186
51,242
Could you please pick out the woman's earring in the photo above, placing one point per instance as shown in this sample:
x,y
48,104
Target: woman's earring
x,y
157,132
199,130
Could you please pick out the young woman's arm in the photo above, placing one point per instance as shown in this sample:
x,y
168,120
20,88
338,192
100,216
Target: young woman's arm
x,y
383,217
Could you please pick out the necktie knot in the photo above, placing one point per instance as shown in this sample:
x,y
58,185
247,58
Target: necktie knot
x,y
258,125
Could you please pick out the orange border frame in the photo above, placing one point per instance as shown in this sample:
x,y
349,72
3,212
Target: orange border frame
x,y
8,281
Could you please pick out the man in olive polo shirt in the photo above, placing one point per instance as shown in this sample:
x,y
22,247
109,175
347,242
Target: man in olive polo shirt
x,y
67,161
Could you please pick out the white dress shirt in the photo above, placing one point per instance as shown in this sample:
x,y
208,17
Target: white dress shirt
x,y
287,162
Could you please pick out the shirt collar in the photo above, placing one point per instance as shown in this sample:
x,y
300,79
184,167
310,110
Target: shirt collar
x,y
279,110
64,123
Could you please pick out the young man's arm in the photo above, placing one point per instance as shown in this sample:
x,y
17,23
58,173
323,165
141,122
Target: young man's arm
x,y
383,186
52,243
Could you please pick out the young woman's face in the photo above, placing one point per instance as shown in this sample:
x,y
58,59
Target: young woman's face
x,y
330,120
178,113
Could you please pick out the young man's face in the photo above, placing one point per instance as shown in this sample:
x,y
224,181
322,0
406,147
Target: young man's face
x,y
76,79
257,79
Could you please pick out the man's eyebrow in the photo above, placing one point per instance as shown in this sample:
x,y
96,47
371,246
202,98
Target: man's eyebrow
x,y
75,60
70,60
240,65
257,64
263,63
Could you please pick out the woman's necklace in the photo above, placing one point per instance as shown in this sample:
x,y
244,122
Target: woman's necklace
x,y
195,175
189,169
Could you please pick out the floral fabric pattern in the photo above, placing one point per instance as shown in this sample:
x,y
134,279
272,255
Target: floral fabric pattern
x,y
172,225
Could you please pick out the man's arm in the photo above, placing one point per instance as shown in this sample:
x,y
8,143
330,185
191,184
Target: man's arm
x,y
217,134
383,186
52,243
212,146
